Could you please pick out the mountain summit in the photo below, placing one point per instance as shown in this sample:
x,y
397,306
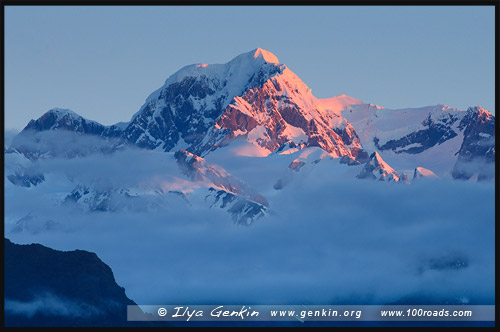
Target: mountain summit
x,y
260,105
254,97
265,55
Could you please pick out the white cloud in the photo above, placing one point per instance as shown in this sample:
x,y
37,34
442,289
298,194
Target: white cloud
x,y
326,241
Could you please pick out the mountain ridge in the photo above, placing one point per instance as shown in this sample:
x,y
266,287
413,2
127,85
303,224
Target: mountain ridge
x,y
254,97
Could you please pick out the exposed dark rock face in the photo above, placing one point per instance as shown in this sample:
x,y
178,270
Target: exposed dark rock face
x,y
377,169
243,203
102,198
436,131
63,133
57,119
199,113
163,126
268,107
198,169
202,108
351,139
46,287
296,165
194,166
93,198
242,211
186,110
350,161
26,179
234,119
477,153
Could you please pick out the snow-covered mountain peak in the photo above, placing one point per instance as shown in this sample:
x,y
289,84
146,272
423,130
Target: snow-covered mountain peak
x,y
255,58
421,172
198,169
254,106
380,163
338,103
56,114
61,112
377,168
377,159
477,115
265,55
215,85
477,108
481,112
243,66
76,136
204,107
61,118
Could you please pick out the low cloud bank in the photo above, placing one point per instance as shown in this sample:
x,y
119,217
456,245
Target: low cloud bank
x,y
326,241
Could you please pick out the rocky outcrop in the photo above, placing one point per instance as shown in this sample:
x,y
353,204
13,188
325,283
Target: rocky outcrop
x,y
24,178
477,153
46,287
253,97
242,211
198,169
434,132
421,173
377,169
63,133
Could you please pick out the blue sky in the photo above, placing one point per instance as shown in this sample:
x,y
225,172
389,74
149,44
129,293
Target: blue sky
x,y
102,62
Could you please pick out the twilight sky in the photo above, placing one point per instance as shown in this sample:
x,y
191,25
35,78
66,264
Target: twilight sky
x,y
102,62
